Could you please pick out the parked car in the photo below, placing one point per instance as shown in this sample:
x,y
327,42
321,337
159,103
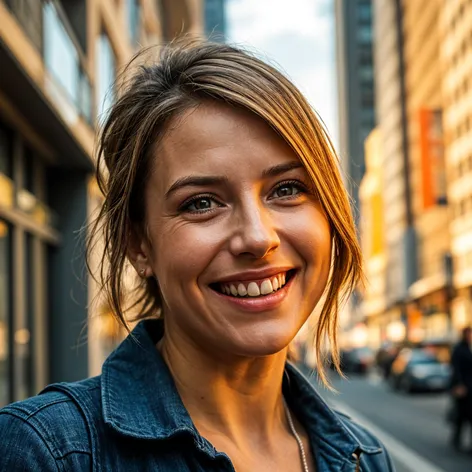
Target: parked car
x,y
358,360
419,369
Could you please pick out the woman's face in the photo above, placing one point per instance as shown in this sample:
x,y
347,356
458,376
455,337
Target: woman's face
x,y
236,236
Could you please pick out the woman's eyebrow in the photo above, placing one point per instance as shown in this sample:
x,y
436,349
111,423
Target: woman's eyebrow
x,y
196,181
281,169
207,180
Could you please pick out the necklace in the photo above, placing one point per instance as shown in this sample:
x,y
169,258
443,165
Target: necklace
x,y
297,438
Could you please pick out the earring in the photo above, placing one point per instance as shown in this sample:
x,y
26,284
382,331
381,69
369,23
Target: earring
x,y
142,272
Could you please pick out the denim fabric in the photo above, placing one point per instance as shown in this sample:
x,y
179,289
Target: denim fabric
x,y
131,418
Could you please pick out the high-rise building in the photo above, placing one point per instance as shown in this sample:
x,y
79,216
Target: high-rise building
x,y
356,103
354,36
391,117
372,232
215,19
456,54
429,297
58,62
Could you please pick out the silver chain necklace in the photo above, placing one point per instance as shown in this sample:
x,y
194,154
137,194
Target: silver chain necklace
x,y
297,438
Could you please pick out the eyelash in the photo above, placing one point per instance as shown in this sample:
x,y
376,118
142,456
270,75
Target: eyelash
x,y
295,183
185,206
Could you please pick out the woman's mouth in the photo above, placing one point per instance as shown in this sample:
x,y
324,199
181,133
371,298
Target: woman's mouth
x,y
254,288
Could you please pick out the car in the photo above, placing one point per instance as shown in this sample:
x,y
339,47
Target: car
x,y
358,360
419,369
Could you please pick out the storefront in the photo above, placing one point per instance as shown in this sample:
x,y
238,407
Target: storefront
x,y
428,317
28,231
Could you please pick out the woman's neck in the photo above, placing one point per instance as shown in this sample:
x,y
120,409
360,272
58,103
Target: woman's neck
x,y
240,398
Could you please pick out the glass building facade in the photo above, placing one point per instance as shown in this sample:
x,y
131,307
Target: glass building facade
x,y
354,36
215,20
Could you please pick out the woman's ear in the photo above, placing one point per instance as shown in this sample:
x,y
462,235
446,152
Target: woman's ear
x,y
139,254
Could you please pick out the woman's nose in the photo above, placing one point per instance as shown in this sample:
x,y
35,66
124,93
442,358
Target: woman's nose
x,y
256,235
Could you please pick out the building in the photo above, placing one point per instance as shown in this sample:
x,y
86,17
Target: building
x,y
356,100
423,63
372,231
428,310
456,55
215,19
354,36
400,240
59,60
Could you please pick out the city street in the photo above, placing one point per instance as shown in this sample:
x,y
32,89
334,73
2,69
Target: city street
x,y
412,426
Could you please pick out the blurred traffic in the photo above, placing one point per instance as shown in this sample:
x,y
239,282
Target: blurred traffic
x,y
416,396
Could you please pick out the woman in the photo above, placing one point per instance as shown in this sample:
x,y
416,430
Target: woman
x,y
223,191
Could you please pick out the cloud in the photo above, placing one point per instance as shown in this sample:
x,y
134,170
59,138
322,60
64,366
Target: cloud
x,y
297,35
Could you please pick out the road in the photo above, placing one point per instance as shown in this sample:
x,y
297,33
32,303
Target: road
x,y
412,427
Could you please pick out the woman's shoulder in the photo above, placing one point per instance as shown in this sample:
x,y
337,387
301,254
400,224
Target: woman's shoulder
x,y
41,431
372,451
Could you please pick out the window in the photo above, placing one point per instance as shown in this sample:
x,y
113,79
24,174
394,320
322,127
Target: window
x,y
133,14
366,73
364,34
368,117
7,197
5,314
364,12
365,56
106,76
24,333
60,54
367,100
29,171
6,144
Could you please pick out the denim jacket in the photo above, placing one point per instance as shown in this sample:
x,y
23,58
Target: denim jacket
x,y
131,418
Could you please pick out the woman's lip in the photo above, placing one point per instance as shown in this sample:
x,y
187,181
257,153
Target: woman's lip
x,y
257,304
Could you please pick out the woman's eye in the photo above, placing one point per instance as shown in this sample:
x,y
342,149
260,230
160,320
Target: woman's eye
x,y
200,204
287,190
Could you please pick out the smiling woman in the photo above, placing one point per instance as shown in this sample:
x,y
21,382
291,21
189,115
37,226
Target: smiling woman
x,y
223,192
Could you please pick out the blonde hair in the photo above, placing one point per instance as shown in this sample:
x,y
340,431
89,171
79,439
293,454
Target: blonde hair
x,y
185,74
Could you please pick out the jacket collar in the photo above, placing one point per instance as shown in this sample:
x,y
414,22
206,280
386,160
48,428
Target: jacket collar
x,y
140,399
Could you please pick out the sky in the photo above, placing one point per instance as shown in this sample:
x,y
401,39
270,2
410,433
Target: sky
x,y
299,37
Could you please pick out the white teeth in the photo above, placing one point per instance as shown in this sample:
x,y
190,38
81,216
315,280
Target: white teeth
x,y
253,290
242,291
266,287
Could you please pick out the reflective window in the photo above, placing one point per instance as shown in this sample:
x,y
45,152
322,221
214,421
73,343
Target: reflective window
x,y
133,15
28,172
366,73
364,33
6,144
106,76
60,54
5,313
63,61
6,167
23,334
364,11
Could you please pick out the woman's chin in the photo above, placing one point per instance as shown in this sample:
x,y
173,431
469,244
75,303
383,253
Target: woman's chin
x,y
260,346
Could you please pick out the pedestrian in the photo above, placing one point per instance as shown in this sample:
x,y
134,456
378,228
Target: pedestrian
x,y
223,192
461,387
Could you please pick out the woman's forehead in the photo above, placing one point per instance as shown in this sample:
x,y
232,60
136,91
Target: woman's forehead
x,y
219,138
213,123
